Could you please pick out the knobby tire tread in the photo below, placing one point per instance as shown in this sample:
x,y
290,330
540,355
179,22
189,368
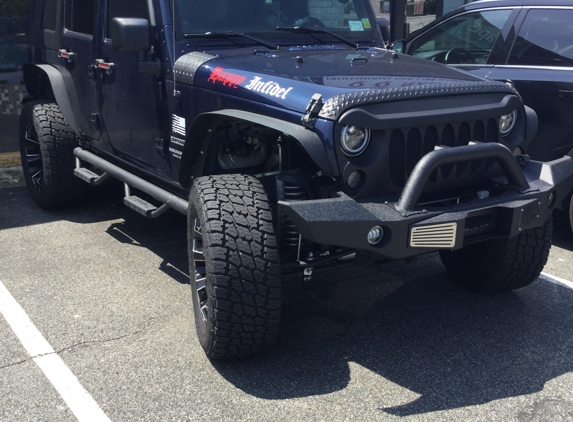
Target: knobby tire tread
x,y
57,142
242,264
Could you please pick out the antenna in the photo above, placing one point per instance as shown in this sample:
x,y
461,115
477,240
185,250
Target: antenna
x,y
174,49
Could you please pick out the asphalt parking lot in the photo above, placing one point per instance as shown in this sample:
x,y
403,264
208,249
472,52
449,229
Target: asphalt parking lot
x,y
109,292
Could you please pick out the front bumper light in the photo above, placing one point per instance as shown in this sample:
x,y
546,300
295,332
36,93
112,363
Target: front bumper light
x,y
507,123
354,140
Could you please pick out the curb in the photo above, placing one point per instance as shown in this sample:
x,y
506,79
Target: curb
x,y
10,159
11,177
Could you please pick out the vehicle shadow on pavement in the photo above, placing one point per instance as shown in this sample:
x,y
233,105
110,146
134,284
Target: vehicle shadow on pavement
x,y
406,323
166,236
18,210
562,234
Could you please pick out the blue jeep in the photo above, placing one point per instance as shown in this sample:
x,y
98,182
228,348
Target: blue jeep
x,y
292,140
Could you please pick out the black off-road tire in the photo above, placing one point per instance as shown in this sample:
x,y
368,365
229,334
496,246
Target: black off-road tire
x,y
46,148
500,265
234,266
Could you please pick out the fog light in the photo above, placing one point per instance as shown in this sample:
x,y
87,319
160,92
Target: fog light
x,y
354,140
507,123
354,180
375,235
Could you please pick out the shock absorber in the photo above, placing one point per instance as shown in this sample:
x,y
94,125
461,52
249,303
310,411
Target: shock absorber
x,y
291,187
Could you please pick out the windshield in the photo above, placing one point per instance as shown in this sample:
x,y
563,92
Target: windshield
x,y
345,17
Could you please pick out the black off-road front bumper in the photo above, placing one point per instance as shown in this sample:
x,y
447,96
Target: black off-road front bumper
x,y
409,229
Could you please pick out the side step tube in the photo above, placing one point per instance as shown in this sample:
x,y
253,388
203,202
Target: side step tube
x,y
143,207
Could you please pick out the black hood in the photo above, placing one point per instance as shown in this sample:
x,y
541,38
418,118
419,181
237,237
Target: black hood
x,y
344,77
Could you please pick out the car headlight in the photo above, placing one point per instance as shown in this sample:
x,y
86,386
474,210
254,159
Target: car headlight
x,y
354,140
507,123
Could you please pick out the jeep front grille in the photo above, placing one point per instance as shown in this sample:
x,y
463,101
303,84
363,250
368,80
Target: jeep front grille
x,y
407,146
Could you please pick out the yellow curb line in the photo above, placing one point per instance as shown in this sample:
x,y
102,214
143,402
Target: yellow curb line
x,y
10,159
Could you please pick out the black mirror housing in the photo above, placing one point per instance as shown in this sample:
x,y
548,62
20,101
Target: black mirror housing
x,y
130,34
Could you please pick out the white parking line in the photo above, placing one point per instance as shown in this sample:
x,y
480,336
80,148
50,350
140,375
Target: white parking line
x,y
83,406
556,280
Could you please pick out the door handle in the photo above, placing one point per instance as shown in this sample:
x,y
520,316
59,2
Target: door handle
x,y
68,55
108,67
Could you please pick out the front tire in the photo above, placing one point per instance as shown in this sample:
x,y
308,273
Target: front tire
x,y
500,265
234,266
47,143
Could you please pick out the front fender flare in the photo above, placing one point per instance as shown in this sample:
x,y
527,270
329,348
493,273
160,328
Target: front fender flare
x,y
192,159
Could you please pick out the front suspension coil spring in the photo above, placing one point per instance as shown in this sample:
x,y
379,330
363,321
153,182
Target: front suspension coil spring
x,y
291,190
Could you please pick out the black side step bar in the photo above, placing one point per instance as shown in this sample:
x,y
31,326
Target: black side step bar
x,y
130,180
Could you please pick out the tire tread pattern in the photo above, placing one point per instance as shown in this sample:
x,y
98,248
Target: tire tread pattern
x,y
242,264
57,142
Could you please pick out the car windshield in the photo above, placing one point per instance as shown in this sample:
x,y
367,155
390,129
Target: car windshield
x,y
348,18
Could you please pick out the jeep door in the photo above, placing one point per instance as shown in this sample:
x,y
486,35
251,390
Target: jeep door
x,y
76,63
132,106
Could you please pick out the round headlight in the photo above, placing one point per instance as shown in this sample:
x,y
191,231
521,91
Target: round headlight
x,y
354,140
507,123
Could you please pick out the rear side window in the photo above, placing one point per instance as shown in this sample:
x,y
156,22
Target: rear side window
x,y
545,39
475,33
80,16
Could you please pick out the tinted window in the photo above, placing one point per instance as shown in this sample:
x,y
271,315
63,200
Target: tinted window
x,y
80,16
475,33
265,15
545,39
126,9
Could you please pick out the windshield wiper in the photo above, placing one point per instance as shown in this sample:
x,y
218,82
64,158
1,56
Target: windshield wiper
x,y
302,30
229,34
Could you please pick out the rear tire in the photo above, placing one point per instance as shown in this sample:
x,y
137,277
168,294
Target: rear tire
x,y
47,143
234,266
500,265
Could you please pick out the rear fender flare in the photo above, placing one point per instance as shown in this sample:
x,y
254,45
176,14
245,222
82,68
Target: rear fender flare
x,y
36,76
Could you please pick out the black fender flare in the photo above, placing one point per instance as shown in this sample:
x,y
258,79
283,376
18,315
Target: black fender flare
x,y
197,142
33,78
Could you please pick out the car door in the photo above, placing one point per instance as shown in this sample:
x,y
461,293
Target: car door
x,y
131,105
472,40
540,65
77,55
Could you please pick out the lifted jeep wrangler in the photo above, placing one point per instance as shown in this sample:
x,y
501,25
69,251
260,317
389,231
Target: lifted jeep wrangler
x,y
292,140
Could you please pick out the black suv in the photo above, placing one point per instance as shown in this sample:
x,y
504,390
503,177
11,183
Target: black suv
x,y
291,139
530,43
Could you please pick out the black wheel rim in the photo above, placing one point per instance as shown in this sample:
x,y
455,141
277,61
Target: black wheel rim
x,y
200,271
33,157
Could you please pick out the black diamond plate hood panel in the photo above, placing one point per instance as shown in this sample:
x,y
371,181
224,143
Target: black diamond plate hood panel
x,y
335,106
186,66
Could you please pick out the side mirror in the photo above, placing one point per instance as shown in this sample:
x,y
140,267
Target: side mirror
x,y
130,34
398,46
384,26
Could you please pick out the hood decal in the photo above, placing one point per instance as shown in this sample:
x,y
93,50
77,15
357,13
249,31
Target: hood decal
x,y
270,88
335,106
229,79
186,66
